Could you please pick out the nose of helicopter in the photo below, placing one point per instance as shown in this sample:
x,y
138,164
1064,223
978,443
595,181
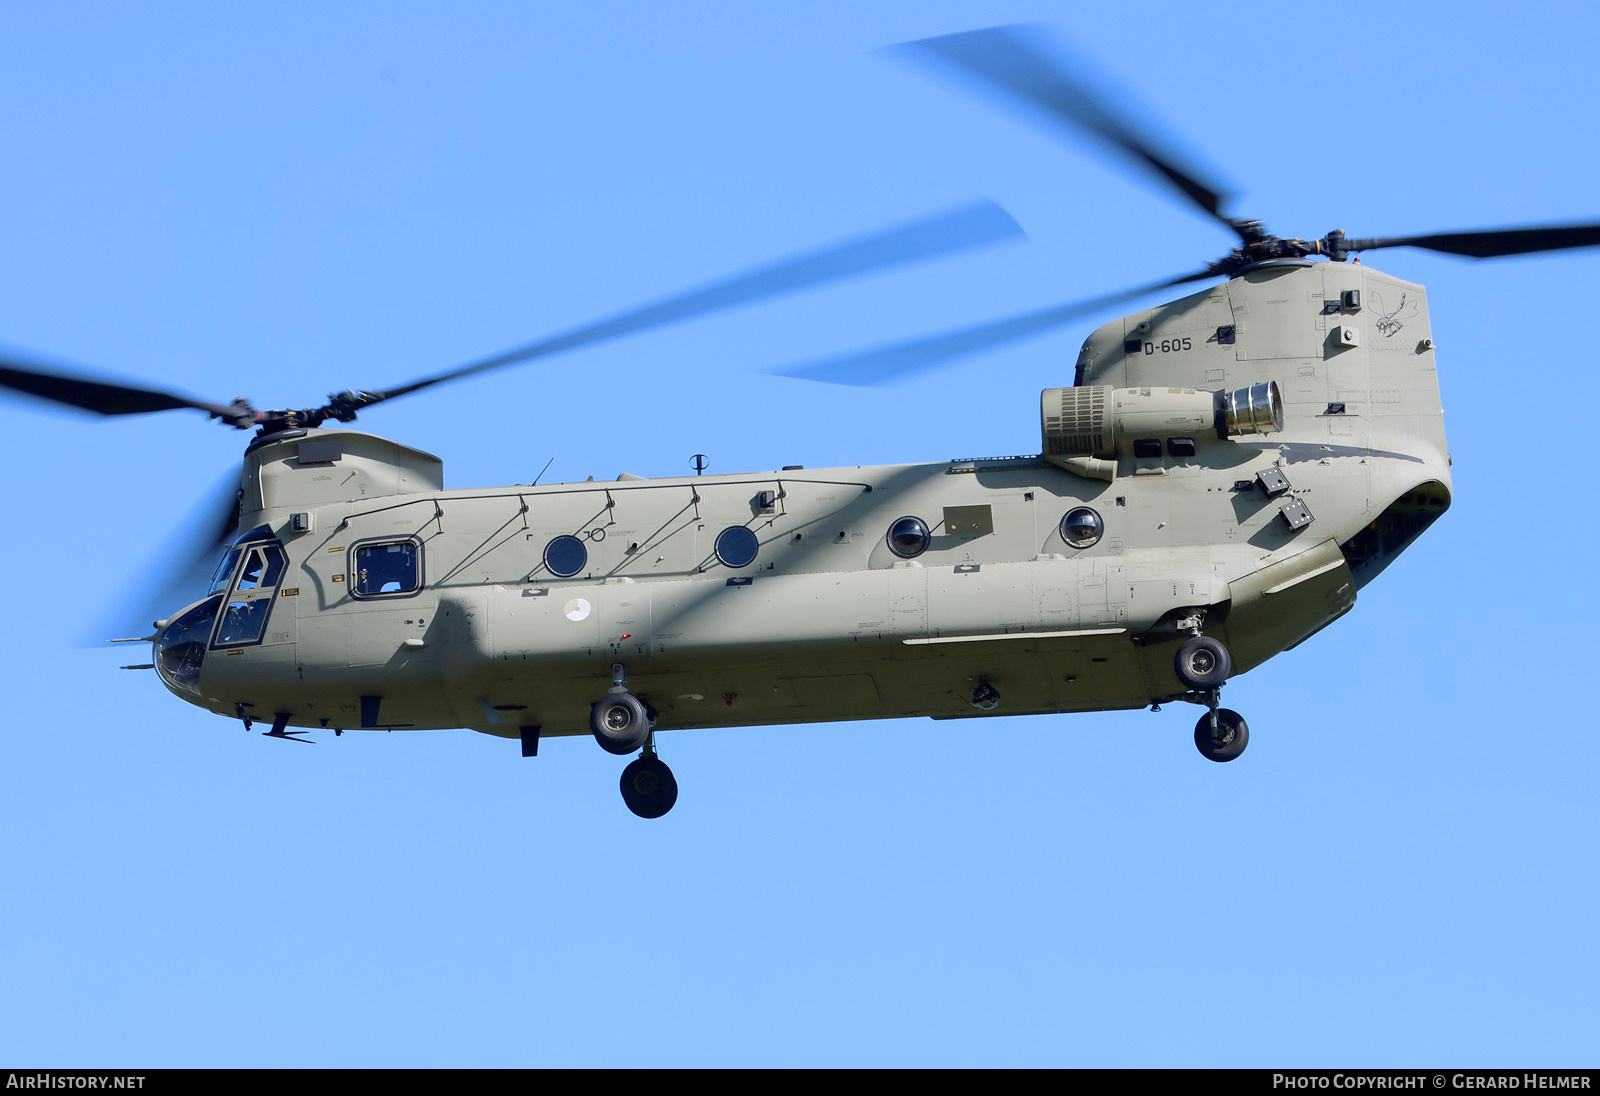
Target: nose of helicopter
x,y
180,646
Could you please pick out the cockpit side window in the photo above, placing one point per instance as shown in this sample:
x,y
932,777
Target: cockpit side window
x,y
225,569
262,568
250,577
223,577
386,568
243,619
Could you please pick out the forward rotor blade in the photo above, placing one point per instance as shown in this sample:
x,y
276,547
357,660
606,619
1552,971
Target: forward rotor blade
x,y
971,226
1007,60
891,363
1491,243
98,396
177,575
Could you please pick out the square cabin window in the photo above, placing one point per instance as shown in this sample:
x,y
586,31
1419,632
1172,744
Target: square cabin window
x,y
386,568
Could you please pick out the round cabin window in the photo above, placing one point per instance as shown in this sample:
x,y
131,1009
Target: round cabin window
x,y
908,537
1081,527
737,546
565,556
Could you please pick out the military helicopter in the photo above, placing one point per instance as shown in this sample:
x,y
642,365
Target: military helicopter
x,y
1223,475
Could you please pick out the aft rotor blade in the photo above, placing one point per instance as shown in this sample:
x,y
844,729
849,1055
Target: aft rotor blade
x,y
891,363
971,226
1489,243
98,396
1008,60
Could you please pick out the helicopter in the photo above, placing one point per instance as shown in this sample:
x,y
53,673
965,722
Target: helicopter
x,y
1221,477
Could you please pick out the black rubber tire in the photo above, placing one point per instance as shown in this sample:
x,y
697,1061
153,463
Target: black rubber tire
x,y
1233,735
619,723
648,787
1202,663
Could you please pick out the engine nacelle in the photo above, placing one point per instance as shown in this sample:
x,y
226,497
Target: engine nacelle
x,y
1087,425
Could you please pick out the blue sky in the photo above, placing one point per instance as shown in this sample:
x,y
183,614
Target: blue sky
x,y
279,203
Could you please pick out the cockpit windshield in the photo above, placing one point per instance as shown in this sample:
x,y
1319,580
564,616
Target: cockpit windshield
x,y
181,646
233,614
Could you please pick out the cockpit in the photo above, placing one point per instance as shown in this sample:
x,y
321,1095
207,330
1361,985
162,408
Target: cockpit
x,y
233,613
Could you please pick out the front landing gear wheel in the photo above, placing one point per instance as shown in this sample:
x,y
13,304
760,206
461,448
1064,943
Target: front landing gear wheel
x,y
1202,663
1227,740
620,723
648,787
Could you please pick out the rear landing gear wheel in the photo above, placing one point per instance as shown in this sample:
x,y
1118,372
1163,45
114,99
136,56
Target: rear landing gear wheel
x,y
1202,663
648,787
1226,740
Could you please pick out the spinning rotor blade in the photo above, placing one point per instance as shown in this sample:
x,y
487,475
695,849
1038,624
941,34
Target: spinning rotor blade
x,y
972,226
179,572
1489,243
890,363
98,396
1006,59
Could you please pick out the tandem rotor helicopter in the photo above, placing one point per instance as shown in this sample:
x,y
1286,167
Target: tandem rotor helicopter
x,y
1222,476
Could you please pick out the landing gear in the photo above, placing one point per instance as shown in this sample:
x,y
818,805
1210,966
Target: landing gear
x,y
1202,663
648,786
1221,734
619,720
621,724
